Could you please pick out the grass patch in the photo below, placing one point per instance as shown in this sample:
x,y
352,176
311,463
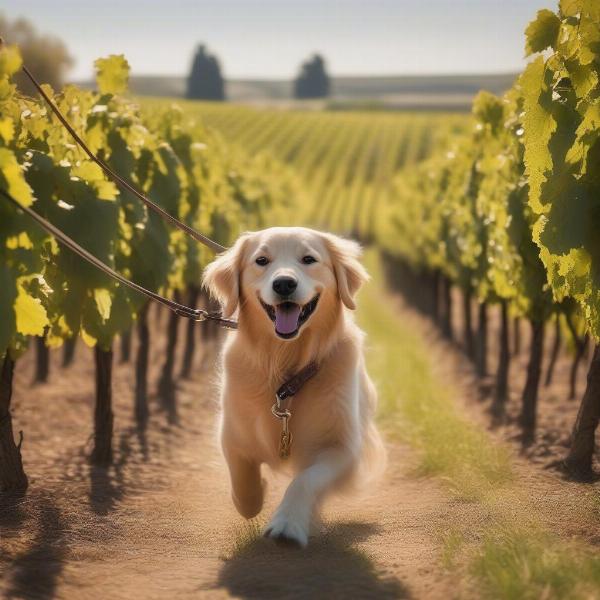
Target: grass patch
x,y
417,405
528,564
510,558
453,541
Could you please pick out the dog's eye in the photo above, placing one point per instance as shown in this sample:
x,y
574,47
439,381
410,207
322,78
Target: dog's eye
x,y
262,261
308,259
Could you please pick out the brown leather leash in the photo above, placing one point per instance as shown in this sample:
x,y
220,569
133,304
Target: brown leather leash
x,y
196,314
180,309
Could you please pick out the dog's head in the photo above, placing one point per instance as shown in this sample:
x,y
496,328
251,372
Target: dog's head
x,y
287,279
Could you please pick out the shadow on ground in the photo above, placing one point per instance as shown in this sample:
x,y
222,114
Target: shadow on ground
x,y
35,571
329,568
108,484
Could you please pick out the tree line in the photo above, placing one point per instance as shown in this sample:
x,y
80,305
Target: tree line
x,y
206,81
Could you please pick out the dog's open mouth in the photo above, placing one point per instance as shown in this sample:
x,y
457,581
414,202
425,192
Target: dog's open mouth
x,y
289,316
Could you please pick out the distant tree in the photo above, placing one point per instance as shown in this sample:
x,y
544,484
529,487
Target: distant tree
x,y
313,81
45,56
205,81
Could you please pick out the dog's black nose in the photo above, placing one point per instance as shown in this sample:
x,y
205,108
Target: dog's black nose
x,y
284,286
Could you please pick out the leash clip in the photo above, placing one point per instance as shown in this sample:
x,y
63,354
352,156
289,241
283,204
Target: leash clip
x,y
285,441
201,315
196,314
288,390
278,411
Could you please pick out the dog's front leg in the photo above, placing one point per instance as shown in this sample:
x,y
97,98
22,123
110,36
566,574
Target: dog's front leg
x,y
291,521
247,487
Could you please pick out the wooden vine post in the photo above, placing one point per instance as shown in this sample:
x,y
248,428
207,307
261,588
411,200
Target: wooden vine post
x,y
12,475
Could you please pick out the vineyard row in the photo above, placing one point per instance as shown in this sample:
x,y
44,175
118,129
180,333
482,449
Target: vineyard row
x,y
49,293
510,212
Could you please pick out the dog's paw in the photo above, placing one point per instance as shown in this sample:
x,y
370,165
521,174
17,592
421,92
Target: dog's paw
x,y
285,529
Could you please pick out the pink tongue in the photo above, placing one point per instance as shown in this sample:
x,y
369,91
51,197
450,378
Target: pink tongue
x,y
286,318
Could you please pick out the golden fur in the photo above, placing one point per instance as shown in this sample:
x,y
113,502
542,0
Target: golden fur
x,y
332,424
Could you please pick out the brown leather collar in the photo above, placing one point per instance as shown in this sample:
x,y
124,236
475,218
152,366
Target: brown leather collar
x,y
292,386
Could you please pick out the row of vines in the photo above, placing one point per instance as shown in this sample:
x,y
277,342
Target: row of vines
x,y
509,214
347,160
49,294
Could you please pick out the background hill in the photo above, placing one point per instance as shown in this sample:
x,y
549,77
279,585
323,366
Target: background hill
x,y
428,92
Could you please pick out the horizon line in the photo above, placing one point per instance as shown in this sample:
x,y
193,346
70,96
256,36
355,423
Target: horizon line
x,y
332,76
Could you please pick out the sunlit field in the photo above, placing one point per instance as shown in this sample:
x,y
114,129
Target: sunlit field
x,y
346,159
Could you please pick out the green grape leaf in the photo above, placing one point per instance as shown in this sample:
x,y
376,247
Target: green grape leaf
x,y
489,109
31,315
10,61
103,302
569,8
88,170
542,32
587,133
88,339
583,77
7,129
539,125
120,319
112,74
11,175
93,174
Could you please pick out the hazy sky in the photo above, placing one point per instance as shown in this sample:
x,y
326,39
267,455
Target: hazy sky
x,y
269,38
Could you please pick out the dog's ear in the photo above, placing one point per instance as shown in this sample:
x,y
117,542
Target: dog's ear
x,y
222,276
349,272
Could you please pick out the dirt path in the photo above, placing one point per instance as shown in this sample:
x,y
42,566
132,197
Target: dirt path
x,y
160,523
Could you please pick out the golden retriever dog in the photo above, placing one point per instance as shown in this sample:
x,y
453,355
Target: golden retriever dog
x,y
293,290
